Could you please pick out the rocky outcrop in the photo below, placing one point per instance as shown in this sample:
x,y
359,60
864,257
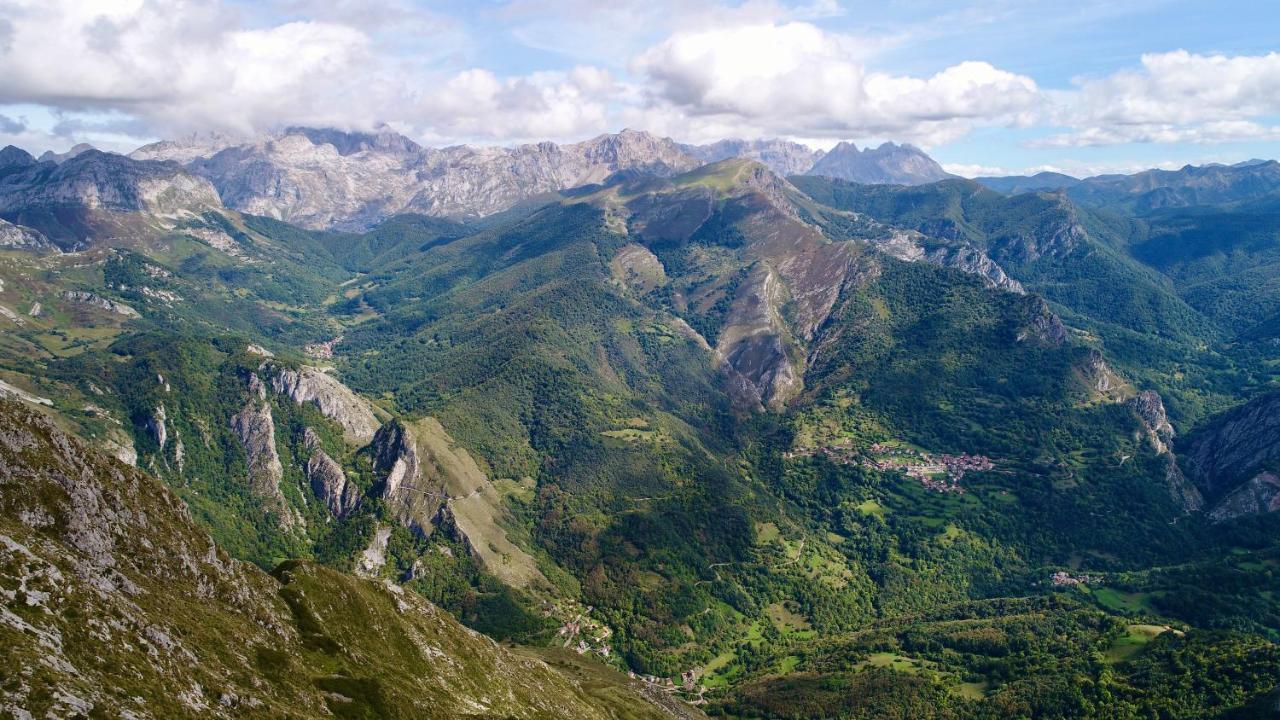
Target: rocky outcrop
x,y
1233,447
327,479
335,400
256,429
18,237
1056,234
430,483
412,499
1233,459
888,164
1149,408
910,246
374,557
970,259
1180,488
157,427
754,347
1043,325
1257,495
1105,384
84,297
7,390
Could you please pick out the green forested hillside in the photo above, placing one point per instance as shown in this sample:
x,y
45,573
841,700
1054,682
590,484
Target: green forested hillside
x,y
728,427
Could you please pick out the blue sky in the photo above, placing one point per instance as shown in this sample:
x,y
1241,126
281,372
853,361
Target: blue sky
x,y
984,86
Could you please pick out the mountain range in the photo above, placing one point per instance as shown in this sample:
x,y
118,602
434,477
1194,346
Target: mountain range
x,y
288,176
292,424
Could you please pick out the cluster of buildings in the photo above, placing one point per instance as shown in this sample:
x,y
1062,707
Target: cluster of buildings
x,y
958,465
940,474
583,633
322,350
1063,578
689,684
936,482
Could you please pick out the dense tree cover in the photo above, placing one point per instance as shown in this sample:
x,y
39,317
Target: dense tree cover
x,y
534,366
1223,261
1043,658
1180,299
1072,256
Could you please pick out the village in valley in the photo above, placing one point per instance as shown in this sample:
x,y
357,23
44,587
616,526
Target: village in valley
x,y
940,473
581,633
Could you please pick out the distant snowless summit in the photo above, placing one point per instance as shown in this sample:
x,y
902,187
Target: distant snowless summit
x,y
293,175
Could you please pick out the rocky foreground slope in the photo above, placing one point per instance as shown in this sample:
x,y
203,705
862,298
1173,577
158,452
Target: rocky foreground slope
x,y
116,605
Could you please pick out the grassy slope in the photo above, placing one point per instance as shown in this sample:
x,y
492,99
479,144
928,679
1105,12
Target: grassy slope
x,y
175,629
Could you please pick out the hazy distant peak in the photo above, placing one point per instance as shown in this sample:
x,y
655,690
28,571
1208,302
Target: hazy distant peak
x,y
783,157
888,164
185,149
77,149
348,143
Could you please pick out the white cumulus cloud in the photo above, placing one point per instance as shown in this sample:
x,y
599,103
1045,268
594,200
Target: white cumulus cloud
x,y
797,79
1174,97
117,71
179,66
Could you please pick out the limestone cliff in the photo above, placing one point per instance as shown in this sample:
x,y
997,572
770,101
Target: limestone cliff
x,y
335,400
1150,409
430,482
327,479
256,429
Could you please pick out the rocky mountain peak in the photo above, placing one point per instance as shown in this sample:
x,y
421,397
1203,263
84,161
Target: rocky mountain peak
x,y
97,180
328,178
781,156
185,149
383,140
15,158
77,149
635,148
888,164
